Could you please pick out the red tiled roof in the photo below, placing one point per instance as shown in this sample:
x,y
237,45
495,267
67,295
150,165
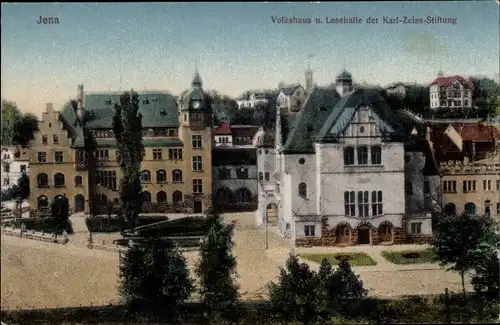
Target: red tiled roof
x,y
446,81
223,129
478,132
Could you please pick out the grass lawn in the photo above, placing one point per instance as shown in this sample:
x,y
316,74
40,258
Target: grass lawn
x,y
357,259
421,256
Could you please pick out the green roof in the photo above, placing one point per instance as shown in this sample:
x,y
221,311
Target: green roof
x,y
343,112
317,107
145,142
75,129
157,110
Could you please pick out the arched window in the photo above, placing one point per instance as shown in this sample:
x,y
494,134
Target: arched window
x,y
376,155
161,176
78,180
348,156
261,176
363,155
42,180
42,201
470,208
145,176
243,195
161,197
450,209
408,188
177,197
59,179
303,189
146,196
177,176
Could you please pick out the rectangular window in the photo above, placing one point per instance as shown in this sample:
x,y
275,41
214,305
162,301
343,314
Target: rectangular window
x,y
363,204
267,177
376,155
107,179
55,139
241,173
362,155
6,168
58,157
377,205
487,185
44,139
350,204
427,187
156,154
197,186
80,156
23,169
42,157
498,185
6,181
102,155
175,154
416,227
469,186
310,231
197,164
224,173
449,186
498,209
197,141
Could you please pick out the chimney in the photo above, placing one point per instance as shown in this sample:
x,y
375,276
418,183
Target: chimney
x,y
50,107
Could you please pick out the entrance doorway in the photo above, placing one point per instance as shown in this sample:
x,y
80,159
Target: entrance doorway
x,y
197,207
385,233
363,236
79,203
272,214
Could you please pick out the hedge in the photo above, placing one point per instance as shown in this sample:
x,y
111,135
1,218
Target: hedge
x,y
112,224
50,225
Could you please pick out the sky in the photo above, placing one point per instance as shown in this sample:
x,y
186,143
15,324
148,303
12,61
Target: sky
x,y
235,46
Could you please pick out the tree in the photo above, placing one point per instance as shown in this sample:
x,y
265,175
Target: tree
x,y
294,295
127,127
486,270
216,270
325,295
346,288
22,191
155,273
243,116
10,115
25,130
458,241
485,96
265,116
285,128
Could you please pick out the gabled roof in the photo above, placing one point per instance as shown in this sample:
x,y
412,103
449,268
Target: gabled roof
x,y
317,107
446,81
477,132
343,112
157,109
223,129
290,89
266,140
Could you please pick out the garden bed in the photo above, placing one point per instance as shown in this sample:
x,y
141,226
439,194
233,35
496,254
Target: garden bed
x,y
48,225
355,259
409,257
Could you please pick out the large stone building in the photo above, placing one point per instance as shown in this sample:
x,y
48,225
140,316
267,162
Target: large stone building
x,y
351,171
15,162
234,167
74,153
469,158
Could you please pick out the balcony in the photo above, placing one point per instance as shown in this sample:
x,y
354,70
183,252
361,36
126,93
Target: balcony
x,y
81,165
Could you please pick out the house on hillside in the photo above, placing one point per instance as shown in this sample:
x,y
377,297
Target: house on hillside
x,y
291,98
450,93
399,88
251,99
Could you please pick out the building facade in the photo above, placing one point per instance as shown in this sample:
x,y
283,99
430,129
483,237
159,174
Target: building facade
x,y
291,98
452,92
15,162
74,153
349,173
251,99
234,167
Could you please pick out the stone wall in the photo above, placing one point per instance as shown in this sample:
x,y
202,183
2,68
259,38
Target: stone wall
x,y
329,238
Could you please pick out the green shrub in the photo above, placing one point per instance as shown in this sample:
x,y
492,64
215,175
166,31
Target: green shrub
x,y
49,225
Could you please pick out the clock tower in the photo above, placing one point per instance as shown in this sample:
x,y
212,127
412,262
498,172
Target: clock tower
x,y
196,110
